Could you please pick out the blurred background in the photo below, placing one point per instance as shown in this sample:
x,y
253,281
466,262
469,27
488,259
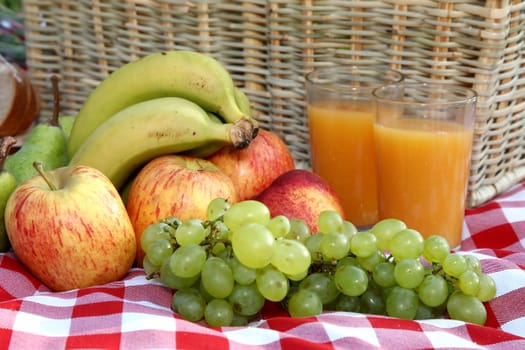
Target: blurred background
x,y
12,32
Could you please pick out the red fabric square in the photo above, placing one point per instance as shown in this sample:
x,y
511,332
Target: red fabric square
x,y
94,341
188,340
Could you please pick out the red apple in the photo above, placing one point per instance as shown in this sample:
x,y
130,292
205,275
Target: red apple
x,y
300,194
254,168
70,228
175,185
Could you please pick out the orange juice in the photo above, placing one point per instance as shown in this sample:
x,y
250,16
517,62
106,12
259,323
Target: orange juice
x,y
426,163
342,152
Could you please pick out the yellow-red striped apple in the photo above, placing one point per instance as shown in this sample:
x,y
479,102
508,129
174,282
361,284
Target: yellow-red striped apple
x,y
300,194
70,228
175,185
254,168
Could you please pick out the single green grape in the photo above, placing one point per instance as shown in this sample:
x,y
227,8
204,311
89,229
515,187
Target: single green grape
x,y
473,263
219,249
153,232
385,229
351,280
217,277
466,308
402,303
372,302
148,267
330,221
468,282
348,303
159,251
406,244
189,303
174,282
433,291
363,244
435,249
313,244
246,300
253,245
299,230
218,313
244,212
334,246
272,283
349,229
409,273
383,274
487,288
304,303
290,257
216,208
347,260
424,312
241,274
187,261
454,265
279,226
369,262
239,320
191,231
323,284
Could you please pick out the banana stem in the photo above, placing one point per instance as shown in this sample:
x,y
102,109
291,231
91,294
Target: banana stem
x,y
40,169
243,132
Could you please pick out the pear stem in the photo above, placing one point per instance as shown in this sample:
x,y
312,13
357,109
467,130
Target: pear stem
x,y
40,168
5,145
56,101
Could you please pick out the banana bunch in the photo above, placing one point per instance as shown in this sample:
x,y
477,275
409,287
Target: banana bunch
x,y
169,102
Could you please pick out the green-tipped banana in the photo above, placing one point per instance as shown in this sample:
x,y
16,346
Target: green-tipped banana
x,y
186,74
243,101
152,128
204,151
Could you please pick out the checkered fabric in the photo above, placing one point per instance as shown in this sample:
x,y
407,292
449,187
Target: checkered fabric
x,y
135,313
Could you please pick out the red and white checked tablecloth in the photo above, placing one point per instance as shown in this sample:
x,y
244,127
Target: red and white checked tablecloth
x,y
135,313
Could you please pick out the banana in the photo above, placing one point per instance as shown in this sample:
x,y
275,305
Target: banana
x,y
243,101
187,74
209,148
204,151
152,128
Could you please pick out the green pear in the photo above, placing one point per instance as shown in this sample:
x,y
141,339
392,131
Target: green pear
x,y
66,123
7,186
46,143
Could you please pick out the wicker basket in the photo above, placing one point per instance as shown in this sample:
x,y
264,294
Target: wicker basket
x,y
269,46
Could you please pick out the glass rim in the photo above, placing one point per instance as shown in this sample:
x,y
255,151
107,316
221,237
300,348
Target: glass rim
x,y
330,82
467,95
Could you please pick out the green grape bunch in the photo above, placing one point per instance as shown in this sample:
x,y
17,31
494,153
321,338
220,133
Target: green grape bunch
x,y
222,270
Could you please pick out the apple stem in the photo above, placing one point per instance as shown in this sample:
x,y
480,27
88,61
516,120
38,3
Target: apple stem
x,y
40,168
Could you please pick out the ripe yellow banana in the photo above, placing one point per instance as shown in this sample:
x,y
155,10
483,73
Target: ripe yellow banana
x,y
148,129
190,75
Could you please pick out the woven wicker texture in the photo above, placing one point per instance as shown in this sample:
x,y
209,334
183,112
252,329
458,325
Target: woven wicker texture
x,y
269,46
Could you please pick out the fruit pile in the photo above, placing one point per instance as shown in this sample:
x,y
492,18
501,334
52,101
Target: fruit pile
x,y
223,269
165,168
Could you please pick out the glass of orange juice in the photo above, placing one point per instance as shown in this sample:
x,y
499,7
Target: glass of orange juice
x,y
341,117
423,136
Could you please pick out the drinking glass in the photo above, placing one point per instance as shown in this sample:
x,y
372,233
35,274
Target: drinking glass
x,y
341,115
423,137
